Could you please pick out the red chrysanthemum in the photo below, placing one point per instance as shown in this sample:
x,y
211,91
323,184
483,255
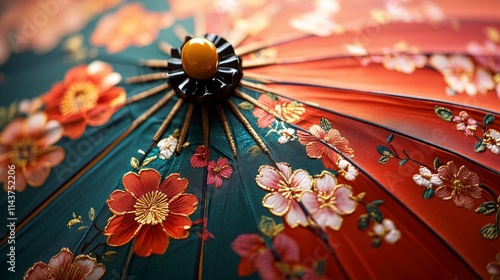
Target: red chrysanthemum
x,y
87,96
150,212
26,145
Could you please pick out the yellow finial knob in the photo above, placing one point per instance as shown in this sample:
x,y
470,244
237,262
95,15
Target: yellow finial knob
x,y
199,58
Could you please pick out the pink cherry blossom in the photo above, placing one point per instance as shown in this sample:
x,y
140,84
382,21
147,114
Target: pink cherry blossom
x,y
465,123
285,189
328,201
461,75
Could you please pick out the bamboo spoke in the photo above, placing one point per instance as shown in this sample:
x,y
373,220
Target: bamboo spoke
x,y
154,63
248,127
255,102
148,93
185,128
147,78
227,130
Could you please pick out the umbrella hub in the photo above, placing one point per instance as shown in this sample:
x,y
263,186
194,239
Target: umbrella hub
x,y
199,58
204,69
152,208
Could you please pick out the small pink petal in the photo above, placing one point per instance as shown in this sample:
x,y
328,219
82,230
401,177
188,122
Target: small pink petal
x,y
276,203
325,182
296,216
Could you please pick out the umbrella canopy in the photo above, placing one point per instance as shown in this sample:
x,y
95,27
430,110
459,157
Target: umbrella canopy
x,y
255,139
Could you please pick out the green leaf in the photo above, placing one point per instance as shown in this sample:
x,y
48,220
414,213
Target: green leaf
x,y
383,150
320,267
428,193
490,231
374,213
325,124
437,164
245,105
272,96
479,147
488,119
254,151
377,202
403,161
389,138
443,113
376,242
384,160
487,208
363,222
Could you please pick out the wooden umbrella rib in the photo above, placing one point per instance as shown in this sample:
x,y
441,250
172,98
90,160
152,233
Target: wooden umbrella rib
x,y
253,47
147,93
185,128
91,164
255,102
227,130
248,127
165,47
206,125
167,121
154,63
147,78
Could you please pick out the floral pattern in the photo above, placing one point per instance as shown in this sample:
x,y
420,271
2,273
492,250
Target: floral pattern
x,y
401,58
33,25
462,76
217,171
493,268
459,184
285,189
131,25
200,157
65,266
87,96
491,137
328,201
387,230
289,110
167,147
27,143
316,149
150,211
465,123
280,260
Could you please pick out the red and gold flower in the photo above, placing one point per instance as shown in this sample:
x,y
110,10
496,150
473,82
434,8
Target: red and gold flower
x,y
150,211
459,184
131,25
27,145
63,266
290,110
200,157
217,171
316,149
87,96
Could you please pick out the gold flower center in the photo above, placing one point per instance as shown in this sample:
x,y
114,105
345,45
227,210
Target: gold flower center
x,y
24,151
287,191
326,200
458,185
80,97
151,208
